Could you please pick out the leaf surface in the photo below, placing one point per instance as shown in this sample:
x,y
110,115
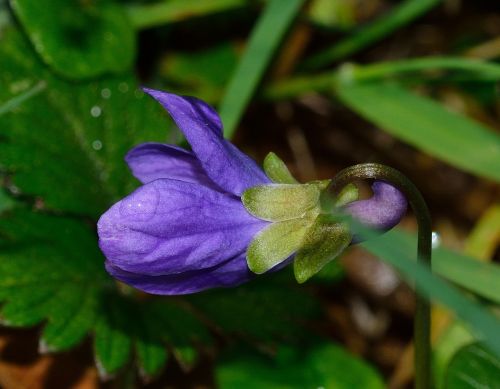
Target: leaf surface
x,y
78,39
75,134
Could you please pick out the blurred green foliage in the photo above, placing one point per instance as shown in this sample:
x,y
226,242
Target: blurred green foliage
x,y
70,108
326,366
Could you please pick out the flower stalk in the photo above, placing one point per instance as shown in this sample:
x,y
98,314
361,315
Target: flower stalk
x,y
424,252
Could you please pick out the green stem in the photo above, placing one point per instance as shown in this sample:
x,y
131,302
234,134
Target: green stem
x,y
481,71
422,314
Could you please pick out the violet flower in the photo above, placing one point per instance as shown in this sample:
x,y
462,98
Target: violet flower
x,y
186,228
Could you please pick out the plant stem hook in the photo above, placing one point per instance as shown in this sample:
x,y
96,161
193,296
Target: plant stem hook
x,y
422,315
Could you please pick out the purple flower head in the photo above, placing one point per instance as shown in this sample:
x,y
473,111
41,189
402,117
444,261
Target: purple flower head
x,y
186,228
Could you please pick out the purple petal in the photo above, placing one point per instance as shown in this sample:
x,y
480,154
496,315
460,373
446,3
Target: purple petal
x,y
233,272
152,161
227,166
170,226
383,210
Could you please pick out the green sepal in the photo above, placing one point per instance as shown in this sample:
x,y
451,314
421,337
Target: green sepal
x,y
276,243
329,203
348,194
280,202
321,184
277,171
323,241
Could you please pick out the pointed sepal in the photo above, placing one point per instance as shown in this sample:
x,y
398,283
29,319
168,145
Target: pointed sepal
x,y
277,171
348,194
322,243
276,243
280,202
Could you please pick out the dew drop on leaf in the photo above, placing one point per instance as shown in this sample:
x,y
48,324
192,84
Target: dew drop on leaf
x,y
138,94
97,145
95,111
106,93
123,87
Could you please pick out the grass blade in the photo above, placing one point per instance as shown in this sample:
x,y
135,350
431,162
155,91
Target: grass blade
x,y
266,36
478,277
477,70
399,16
469,69
150,15
426,125
390,249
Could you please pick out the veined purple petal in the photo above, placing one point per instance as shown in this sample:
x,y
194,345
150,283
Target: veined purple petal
x,y
170,226
383,210
152,161
227,166
233,272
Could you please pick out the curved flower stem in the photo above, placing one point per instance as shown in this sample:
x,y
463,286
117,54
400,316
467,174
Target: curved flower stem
x,y
417,203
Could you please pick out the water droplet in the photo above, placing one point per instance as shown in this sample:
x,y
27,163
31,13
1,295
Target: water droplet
x,y
14,189
97,145
106,93
436,240
139,94
95,111
123,87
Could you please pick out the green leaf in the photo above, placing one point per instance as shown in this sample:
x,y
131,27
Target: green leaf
x,y
478,277
73,317
247,309
78,39
449,343
113,336
323,242
276,243
473,367
5,201
89,126
427,125
182,334
326,366
44,275
52,270
279,202
264,41
277,171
